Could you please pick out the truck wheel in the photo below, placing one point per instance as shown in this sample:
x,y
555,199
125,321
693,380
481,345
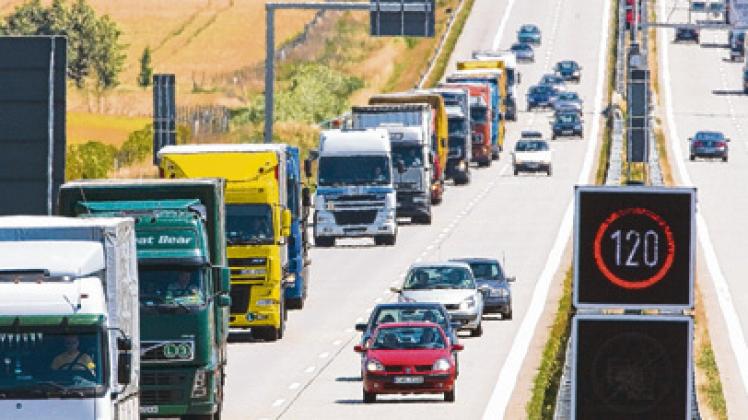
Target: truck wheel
x,y
387,240
324,241
295,303
549,171
494,155
478,331
423,219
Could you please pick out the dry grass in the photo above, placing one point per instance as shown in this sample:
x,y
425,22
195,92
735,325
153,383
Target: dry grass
x,y
109,129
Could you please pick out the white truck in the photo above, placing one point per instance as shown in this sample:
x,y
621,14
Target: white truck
x,y
355,192
69,323
409,127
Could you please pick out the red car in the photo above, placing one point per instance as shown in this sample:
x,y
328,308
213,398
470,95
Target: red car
x,y
408,358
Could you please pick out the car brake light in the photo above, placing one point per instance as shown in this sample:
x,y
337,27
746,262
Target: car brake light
x,y
697,144
721,144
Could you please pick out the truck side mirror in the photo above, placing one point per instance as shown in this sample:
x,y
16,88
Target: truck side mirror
x,y
401,166
124,368
286,222
222,277
431,158
306,197
224,300
124,344
308,168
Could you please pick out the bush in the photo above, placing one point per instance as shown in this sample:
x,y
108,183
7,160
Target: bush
x,y
89,160
138,146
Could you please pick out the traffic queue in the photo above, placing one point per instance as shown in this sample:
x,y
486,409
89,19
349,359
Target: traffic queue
x,y
412,346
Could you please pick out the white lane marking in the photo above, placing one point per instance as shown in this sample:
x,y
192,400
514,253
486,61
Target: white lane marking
x,y
734,328
349,330
502,24
324,355
510,370
336,343
294,386
278,402
377,300
310,369
359,319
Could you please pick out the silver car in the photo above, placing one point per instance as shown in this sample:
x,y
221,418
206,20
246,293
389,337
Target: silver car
x,y
523,52
450,283
568,101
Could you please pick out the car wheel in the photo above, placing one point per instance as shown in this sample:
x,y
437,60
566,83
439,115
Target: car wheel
x,y
369,397
692,157
724,158
507,315
478,331
423,219
549,171
553,137
449,396
516,171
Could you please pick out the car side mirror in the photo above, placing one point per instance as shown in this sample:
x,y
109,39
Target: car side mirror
x,y
224,300
396,290
306,197
358,348
519,78
308,168
484,290
458,347
124,368
361,327
401,166
690,139
727,140
511,279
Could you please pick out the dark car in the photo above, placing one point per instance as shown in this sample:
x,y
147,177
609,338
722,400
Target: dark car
x,y
567,124
407,312
490,277
541,96
745,79
553,80
569,70
685,33
523,51
529,34
709,144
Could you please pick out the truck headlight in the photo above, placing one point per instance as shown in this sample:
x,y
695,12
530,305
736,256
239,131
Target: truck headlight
x,y
330,205
200,384
373,365
264,302
467,303
500,292
441,365
461,166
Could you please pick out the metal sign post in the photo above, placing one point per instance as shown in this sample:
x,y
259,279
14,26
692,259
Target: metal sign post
x,y
392,18
164,113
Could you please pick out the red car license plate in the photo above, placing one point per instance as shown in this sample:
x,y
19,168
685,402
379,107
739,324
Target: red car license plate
x,y
408,379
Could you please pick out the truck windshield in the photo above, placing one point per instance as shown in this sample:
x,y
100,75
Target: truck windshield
x,y
249,224
479,114
337,171
43,362
175,286
457,127
410,155
376,119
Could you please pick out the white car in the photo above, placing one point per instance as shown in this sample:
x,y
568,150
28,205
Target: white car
x,y
450,283
532,155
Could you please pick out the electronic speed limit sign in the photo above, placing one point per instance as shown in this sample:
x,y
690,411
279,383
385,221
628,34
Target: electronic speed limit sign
x,y
634,247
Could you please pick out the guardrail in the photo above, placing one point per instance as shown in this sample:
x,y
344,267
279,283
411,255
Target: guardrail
x,y
443,40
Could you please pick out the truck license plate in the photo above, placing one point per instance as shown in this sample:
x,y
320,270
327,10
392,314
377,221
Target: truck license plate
x,y
408,379
148,409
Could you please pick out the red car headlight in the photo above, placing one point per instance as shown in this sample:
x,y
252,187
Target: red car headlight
x,y
373,365
442,365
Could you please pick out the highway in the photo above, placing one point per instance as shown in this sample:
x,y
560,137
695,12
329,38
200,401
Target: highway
x,y
314,373
703,91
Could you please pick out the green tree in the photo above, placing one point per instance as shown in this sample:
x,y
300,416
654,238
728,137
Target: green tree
x,y
109,56
92,159
146,70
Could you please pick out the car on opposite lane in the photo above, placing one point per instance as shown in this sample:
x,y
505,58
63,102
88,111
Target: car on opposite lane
x,y
408,358
541,96
567,124
451,284
709,144
569,70
532,154
523,52
490,276
529,33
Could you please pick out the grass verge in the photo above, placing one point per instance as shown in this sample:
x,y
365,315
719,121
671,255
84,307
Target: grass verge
x,y
542,403
449,45
545,385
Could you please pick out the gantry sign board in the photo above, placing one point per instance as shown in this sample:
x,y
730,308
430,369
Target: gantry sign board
x,y
402,17
634,247
631,367
164,113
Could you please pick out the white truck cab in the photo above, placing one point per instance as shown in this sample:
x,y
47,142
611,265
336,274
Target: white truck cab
x,y
355,192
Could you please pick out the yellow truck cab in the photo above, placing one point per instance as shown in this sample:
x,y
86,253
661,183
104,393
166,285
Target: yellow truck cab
x,y
258,225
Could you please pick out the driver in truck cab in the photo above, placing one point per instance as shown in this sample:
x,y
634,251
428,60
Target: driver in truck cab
x,y
72,358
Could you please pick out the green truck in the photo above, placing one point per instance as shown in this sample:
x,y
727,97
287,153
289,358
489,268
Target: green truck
x,y
184,285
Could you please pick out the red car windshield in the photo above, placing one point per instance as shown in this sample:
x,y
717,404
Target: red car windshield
x,y
408,338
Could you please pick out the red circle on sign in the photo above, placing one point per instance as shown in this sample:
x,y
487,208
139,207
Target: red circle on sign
x,y
649,281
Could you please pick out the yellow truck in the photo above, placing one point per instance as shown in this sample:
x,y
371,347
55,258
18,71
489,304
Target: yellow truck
x,y
258,225
438,127
505,89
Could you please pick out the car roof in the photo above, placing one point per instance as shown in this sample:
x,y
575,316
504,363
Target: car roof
x,y
407,324
527,134
475,259
708,133
408,305
439,264
528,26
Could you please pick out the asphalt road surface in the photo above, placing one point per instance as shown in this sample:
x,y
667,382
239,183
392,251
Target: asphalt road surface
x,y
314,373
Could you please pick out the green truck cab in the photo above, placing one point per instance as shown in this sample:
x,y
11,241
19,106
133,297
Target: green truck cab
x,y
184,285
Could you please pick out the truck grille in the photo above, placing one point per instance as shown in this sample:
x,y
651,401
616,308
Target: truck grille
x,y
240,298
364,217
161,396
366,197
156,378
171,387
452,306
247,262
